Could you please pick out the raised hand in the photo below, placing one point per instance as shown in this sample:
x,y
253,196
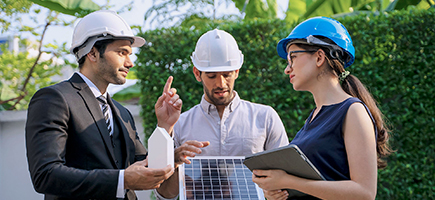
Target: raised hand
x,y
168,107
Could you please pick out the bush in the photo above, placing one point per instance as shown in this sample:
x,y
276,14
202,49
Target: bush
x,y
394,58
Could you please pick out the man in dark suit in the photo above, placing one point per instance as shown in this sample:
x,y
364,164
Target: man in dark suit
x,y
80,143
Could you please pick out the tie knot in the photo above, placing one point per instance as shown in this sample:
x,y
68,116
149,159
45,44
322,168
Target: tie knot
x,y
102,99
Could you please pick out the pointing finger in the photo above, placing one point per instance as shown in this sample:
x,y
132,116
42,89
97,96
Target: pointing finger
x,y
168,84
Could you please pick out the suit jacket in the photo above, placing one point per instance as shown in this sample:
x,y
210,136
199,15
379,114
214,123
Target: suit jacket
x,y
68,145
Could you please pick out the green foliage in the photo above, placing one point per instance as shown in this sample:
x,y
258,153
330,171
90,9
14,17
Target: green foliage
x,y
128,93
14,69
394,58
296,9
257,8
197,13
22,75
10,10
181,12
303,9
10,7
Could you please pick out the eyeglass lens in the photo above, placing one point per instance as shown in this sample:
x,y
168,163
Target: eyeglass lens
x,y
290,57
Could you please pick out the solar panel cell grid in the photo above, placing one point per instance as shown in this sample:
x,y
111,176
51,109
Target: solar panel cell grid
x,y
218,178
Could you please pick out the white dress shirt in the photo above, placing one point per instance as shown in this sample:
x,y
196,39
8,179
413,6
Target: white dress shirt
x,y
245,128
120,192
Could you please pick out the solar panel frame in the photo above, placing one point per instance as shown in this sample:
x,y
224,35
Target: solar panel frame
x,y
217,177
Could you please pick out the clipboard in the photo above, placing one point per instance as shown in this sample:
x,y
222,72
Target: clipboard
x,y
288,158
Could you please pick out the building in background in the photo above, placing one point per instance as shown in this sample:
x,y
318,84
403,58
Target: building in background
x,y
12,43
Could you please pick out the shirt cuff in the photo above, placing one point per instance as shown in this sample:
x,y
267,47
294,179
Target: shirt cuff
x,y
120,192
159,197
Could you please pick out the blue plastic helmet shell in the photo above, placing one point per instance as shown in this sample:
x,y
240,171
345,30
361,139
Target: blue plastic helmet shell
x,y
320,26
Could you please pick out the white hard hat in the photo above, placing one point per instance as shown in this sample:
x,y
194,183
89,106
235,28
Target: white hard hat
x,y
100,25
217,51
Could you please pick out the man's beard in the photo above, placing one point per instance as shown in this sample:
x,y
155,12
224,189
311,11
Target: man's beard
x,y
219,101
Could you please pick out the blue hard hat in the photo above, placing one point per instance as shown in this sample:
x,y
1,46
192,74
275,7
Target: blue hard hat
x,y
323,27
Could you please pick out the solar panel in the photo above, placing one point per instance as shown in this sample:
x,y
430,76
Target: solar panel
x,y
217,177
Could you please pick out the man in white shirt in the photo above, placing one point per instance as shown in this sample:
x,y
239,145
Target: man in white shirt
x,y
223,124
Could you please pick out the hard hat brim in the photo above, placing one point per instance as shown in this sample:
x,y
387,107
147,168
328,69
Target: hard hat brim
x,y
138,41
281,47
218,68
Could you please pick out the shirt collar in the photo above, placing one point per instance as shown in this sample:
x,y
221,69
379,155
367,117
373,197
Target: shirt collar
x,y
206,106
92,86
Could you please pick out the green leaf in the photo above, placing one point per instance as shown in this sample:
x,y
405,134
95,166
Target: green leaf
x,y
403,4
78,8
26,28
261,9
295,9
328,8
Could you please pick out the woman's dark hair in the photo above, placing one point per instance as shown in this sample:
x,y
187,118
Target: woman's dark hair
x,y
353,86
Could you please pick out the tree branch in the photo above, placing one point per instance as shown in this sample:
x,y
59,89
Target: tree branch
x,y
12,99
29,75
23,89
19,98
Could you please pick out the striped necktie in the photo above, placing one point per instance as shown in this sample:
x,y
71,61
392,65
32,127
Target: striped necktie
x,y
105,109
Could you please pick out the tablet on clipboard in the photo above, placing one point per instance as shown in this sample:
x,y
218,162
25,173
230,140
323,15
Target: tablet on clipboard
x,y
288,158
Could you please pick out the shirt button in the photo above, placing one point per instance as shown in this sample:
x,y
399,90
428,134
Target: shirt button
x,y
219,123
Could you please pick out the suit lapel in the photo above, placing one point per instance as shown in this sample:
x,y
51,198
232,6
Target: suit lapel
x,y
123,132
94,109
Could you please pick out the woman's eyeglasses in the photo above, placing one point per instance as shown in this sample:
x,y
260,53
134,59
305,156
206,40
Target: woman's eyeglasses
x,y
290,56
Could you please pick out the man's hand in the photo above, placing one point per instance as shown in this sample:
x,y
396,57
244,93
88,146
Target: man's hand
x,y
188,149
169,189
139,177
168,107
